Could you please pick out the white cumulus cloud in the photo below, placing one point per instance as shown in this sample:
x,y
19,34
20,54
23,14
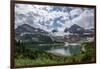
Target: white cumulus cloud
x,y
47,18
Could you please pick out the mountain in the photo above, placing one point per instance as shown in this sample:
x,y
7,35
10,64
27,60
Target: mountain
x,y
66,29
25,28
28,33
76,29
89,30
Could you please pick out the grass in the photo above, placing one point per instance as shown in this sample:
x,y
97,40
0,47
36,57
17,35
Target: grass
x,y
25,56
22,62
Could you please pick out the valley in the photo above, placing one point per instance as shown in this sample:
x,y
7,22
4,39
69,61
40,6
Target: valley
x,y
38,46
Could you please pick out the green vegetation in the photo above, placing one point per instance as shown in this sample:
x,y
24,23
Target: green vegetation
x,y
33,56
90,52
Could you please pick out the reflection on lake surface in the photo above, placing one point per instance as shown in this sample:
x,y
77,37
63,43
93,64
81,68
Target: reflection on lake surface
x,y
58,49
67,51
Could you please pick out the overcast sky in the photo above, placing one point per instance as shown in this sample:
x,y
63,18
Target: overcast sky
x,y
53,17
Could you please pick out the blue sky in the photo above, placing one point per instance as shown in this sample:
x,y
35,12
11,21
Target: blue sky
x,y
53,17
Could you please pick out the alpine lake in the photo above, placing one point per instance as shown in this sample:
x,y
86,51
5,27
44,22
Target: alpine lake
x,y
61,49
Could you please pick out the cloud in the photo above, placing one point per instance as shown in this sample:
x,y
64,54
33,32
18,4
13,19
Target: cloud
x,y
85,19
76,12
33,14
53,17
